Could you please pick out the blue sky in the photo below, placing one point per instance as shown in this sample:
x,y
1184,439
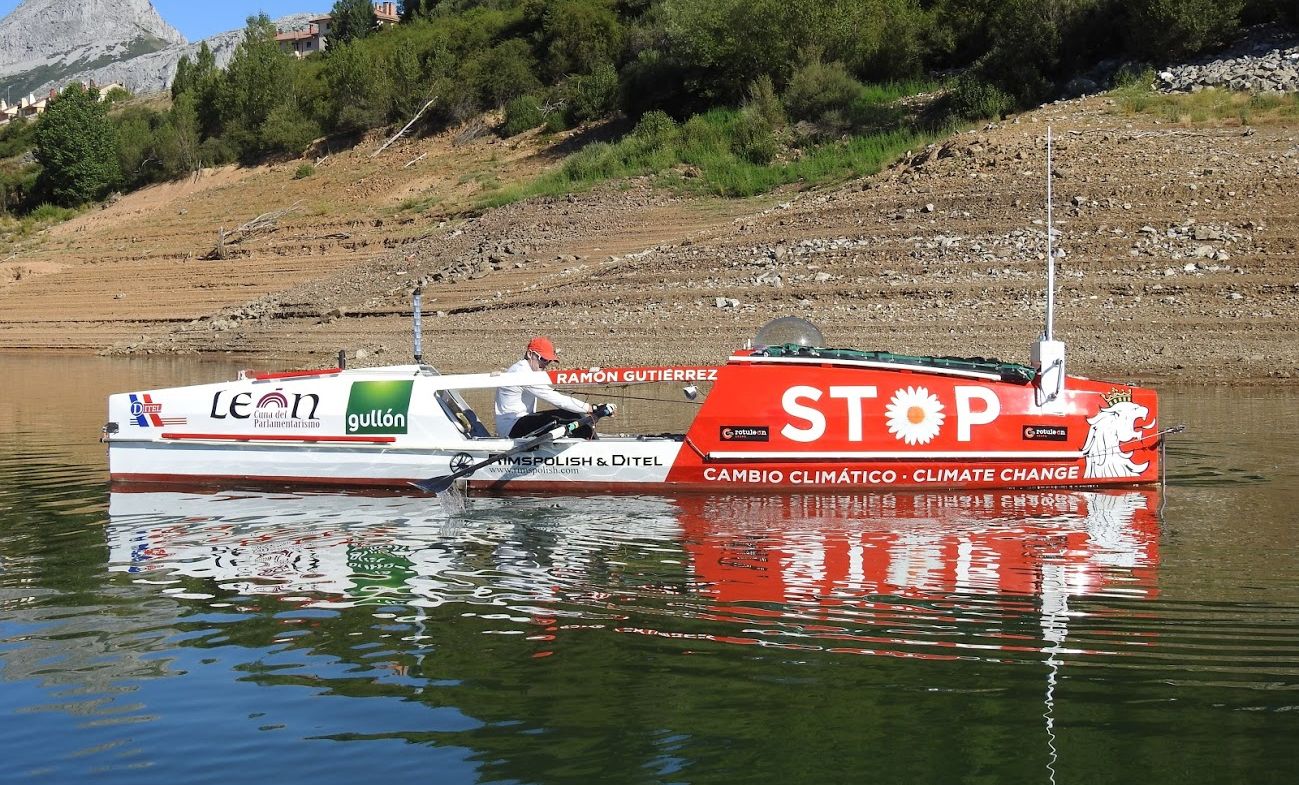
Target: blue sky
x,y
198,19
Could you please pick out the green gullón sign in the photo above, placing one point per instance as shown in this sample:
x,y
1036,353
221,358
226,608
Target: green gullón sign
x,y
379,407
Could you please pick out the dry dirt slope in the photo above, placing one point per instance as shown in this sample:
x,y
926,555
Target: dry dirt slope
x,y
1181,262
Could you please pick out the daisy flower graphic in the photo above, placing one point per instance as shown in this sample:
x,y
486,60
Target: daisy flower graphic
x,y
915,415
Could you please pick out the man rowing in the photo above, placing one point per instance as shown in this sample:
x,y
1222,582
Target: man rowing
x,y
516,406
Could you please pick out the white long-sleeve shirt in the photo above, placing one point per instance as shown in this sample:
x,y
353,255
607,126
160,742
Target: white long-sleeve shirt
x,y
515,402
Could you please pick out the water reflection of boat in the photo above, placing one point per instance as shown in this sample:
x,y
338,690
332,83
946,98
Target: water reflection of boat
x,y
998,577
745,549
264,543
940,545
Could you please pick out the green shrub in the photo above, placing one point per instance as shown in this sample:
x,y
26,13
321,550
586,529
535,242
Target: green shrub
x,y
288,131
817,88
576,36
556,122
591,96
1131,77
753,138
359,89
505,71
17,137
1174,28
522,114
656,131
1024,51
409,81
46,213
704,138
974,99
215,151
764,101
137,145
596,161
304,171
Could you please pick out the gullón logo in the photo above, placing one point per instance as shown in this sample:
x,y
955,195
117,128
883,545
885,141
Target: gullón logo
x,y
378,407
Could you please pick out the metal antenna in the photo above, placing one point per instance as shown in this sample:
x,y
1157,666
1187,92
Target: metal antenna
x,y
1050,253
1048,354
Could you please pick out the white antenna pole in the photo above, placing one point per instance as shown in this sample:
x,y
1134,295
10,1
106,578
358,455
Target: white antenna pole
x,y
1050,254
1048,353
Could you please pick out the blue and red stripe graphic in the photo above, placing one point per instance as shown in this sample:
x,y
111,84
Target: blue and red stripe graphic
x,y
148,414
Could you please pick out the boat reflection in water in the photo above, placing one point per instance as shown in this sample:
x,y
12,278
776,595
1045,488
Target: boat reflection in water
x,y
867,573
827,549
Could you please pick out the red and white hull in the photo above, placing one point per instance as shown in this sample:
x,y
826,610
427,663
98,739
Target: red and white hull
x,y
766,423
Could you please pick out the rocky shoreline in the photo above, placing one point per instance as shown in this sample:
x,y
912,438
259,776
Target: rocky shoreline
x,y
1182,245
1266,60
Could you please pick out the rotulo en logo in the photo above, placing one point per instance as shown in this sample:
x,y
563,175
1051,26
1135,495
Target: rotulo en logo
x,y
378,407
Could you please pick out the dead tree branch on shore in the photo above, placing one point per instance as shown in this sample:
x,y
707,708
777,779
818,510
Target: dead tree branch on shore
x,y
405,127
262,223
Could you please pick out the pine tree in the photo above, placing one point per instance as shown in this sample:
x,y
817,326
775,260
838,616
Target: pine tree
x,y
256,82
76,146
350,20
412,8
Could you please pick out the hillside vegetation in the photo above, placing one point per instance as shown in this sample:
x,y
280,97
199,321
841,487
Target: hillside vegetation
x,y
739,95
1176,212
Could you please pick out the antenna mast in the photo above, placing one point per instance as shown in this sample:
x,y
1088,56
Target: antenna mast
x,y
1050,253
1048,354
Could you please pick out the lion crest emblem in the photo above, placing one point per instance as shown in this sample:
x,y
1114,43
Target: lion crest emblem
x,y
1111,427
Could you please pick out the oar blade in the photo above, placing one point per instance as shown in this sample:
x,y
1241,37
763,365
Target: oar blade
x,y
435,484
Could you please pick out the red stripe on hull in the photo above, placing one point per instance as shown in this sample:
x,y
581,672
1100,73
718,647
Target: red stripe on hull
x,y
277,437
577,486
263,375
224,480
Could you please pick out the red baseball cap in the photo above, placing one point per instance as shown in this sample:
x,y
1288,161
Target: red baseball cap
x,y
544,348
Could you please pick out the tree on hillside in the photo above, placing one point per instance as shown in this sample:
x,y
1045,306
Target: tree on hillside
x,y
190,74
350,20
412,8
200,79
1163,28
577,36
359,89
76,146
257,82
185,134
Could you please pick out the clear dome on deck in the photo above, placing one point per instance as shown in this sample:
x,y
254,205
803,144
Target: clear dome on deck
x,y
787,330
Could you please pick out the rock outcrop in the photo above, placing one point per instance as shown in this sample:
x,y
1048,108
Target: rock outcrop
x,y
45,44
153,72
46,41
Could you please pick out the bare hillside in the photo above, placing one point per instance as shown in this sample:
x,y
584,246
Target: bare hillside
x,y
1180,261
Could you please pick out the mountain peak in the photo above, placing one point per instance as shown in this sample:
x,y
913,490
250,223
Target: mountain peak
x,y
41,40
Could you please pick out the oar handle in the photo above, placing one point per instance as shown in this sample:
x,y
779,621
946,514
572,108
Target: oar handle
x,y
442,483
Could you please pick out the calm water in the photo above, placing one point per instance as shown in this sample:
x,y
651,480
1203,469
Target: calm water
x,y
1044,637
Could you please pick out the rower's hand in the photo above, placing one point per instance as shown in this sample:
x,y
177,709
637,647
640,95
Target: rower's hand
x,y
604,410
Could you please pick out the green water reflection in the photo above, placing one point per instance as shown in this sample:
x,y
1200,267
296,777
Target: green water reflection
x,y
1004,637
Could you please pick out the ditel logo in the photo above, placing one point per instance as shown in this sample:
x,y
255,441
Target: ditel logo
x,y
379,407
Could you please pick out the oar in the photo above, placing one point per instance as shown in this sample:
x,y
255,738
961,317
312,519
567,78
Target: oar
x,y
441,484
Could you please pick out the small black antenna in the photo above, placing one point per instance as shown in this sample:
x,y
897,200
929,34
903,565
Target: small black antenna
x,y
416,327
